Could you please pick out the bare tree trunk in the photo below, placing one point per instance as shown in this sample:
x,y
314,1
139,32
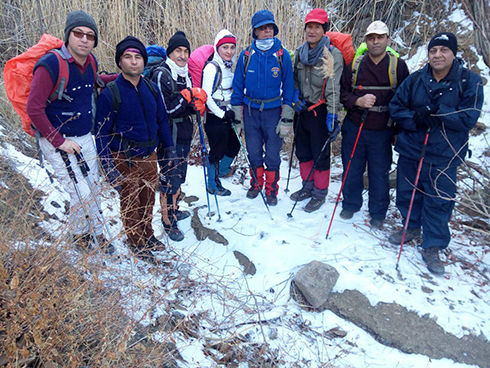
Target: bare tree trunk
x,y
479,12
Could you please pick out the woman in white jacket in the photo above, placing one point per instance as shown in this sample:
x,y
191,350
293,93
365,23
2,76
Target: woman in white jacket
x,y
216,81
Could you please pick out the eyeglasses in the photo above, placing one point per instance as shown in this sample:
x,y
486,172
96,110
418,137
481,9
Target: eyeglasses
x,y
265,27
80,34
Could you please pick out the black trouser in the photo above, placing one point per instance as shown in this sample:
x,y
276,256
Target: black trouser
x,y
221,137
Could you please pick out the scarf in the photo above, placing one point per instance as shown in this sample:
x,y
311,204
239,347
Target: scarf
x,y
310,56
264,45
179,71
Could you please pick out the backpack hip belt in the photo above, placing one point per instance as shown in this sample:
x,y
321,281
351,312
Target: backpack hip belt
x,y
260,102
379,108
222,103
128,144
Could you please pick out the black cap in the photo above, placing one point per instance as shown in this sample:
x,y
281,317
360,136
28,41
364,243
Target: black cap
x,y
130,42
178,40
445,39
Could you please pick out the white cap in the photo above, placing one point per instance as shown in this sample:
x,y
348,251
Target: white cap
x,y
377,27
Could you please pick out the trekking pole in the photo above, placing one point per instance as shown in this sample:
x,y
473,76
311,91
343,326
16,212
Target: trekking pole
x,y
205,163
254,175
419,169
292,153
84,168
363,119
327,142
73,178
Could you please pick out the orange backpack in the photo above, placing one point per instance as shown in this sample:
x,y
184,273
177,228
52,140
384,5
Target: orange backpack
x,y
18,73
343,41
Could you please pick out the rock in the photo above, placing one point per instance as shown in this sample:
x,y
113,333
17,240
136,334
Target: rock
x,y
395,326
203,232
315,281
248,266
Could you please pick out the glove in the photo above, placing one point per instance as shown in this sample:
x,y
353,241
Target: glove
x,y
285,125
331,119
229,115
196,97
113,176
171,157
238,121
422,113
298,103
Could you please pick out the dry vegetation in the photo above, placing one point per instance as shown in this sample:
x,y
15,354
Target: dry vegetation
x,y
55,312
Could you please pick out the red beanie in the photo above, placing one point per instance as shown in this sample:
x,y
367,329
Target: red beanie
x,y
226,39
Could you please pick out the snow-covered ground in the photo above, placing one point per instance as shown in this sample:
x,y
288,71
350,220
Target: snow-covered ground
x,y
459,301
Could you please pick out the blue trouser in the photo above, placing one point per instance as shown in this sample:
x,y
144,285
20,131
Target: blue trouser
x,y
433,202
373,148
260,131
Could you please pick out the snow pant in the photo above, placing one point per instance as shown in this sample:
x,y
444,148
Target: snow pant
x,y
373,148
173,178
84,214
310,135
137,195
434,199
260,131
221,138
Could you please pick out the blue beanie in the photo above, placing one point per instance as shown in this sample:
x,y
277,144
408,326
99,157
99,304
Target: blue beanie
x,y
263,17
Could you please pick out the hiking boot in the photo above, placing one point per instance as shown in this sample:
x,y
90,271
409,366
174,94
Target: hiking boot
x,y
252,193
154,244
314,204
181,215
83,241
377,223
300,195
104,244
220,191
346,214
173,231
432,260
396,238
142,253
271,199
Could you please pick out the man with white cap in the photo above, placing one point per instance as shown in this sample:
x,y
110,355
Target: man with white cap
x,y
436,108
367,86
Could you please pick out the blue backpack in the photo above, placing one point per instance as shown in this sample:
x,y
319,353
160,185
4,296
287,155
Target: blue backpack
x,y
156,54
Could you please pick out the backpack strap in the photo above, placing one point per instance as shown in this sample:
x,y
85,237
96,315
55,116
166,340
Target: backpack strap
x,y
392,68
218,78
280,57
247,55
115,96
151,87
63,76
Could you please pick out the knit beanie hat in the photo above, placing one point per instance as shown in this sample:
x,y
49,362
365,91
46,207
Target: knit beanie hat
x,y
177,40
444,39
79,18
130,42
263,17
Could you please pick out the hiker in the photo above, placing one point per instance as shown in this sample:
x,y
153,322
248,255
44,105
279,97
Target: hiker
x,y
441,102
182,101
128,134
223,142
263,89
316,100
367,86
65,125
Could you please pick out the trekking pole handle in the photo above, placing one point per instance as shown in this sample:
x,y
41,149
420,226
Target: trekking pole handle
x,y
66,160
82,164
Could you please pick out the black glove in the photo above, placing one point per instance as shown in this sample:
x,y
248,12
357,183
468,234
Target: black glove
x,y
422,113
229,115
113,176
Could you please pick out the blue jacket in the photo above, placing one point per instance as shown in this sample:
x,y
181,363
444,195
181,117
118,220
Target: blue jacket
x,y
459,111
141,118
264,79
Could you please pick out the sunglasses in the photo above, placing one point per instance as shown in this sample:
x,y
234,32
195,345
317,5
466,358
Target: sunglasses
x,y
265,27
80,34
